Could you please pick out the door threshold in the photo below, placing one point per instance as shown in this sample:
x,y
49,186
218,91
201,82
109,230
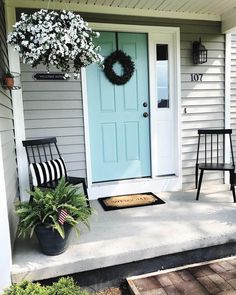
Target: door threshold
x,y
118,181
133,186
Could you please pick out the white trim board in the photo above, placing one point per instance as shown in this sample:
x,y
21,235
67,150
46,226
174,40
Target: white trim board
x,y
86,127
144,184
227,98
18,112
6,255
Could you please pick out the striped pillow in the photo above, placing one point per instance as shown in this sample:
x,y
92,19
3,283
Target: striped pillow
x,y
47,171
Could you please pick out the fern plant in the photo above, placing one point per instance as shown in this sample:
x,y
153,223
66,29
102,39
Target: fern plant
x,y
45,206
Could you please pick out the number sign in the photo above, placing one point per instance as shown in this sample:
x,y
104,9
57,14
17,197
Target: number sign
x,y
196,77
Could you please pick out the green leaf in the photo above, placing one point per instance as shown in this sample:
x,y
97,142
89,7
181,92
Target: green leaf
x,y
77,231
60,229
47,215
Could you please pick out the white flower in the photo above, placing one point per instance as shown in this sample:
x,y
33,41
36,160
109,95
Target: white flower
x,y
25,43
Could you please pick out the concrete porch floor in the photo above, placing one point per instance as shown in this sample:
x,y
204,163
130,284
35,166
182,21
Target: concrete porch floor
x,y
125,236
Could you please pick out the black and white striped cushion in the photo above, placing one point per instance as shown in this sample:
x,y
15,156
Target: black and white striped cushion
x,y
47,171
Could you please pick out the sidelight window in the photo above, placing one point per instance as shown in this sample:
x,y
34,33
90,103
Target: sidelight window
x,y
162,75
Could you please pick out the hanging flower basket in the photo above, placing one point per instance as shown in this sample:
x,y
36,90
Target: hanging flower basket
x,y
61,39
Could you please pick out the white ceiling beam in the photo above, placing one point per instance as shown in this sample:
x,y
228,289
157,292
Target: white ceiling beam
x,y
37,4
228,24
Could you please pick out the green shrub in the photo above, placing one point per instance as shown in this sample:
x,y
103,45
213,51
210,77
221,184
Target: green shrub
x,y
26,288
64,286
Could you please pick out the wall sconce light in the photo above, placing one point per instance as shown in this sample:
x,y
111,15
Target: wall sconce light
x,y
199,52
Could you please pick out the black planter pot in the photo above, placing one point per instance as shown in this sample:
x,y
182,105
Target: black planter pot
x,y
50,242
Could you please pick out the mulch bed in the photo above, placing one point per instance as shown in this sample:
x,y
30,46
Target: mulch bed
x,y
122,290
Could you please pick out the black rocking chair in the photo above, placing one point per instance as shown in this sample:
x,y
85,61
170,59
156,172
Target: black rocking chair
x,y
214,156
44,150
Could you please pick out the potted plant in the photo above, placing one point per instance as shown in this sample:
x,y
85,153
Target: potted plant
x,y
55,38
51,214
8,80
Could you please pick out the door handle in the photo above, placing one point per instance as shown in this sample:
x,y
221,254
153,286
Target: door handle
x,y
145,114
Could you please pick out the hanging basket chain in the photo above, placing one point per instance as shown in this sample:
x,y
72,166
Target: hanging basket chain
x,y
49,1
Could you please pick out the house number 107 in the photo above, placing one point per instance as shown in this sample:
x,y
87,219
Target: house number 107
x,y
196,77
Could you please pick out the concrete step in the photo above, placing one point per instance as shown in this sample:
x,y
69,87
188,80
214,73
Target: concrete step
x,y
115,275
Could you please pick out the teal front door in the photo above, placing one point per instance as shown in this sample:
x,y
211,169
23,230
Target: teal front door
x,y
118,128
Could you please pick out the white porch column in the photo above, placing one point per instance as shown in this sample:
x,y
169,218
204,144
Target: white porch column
x,y
18,111
227,97
5,253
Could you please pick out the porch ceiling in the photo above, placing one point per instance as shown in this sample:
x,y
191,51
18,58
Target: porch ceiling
x,y
216,10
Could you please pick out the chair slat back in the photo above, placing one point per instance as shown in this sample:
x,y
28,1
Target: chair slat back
x,y
41,150
214,145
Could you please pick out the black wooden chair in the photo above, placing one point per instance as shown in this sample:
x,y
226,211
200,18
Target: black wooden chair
x,y
214,155
43,155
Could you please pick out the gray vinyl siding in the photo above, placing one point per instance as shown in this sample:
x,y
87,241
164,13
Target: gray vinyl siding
x,y
54,108
204,101
58,113
7,133
233,91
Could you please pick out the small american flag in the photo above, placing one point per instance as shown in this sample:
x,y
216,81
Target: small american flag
x,y
62,216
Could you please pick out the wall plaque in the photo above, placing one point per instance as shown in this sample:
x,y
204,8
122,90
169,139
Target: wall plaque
x,y
49,76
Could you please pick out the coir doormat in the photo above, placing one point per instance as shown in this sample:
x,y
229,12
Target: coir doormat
x,y
129,201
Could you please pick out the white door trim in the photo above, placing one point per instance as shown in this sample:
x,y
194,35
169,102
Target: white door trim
x,y
145,184
86,128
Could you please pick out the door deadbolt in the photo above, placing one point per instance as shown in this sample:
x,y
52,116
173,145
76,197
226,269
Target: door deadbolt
x,y
145,104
